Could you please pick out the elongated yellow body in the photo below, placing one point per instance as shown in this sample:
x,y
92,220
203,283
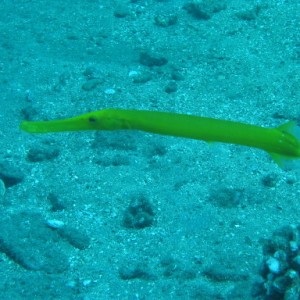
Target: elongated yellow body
x,y
279,142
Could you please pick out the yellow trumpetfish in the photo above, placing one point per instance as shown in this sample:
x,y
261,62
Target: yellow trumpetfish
x,y
280,142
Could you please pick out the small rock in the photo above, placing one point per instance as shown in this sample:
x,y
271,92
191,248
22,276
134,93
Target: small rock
x,y
204,10
249,14
110,91
141,77
227,197
273,265
55,202
294,246
42,152
270,180
91,72
121,11
92,84
165,21
86,282
28,113
134,271
10,175
176,75
171,87
55,224
151,60
139,214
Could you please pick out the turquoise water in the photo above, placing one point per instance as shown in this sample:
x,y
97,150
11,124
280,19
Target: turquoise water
x,y
132,215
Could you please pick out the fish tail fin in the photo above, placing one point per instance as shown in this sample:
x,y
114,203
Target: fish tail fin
x,y
291,128
283,161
